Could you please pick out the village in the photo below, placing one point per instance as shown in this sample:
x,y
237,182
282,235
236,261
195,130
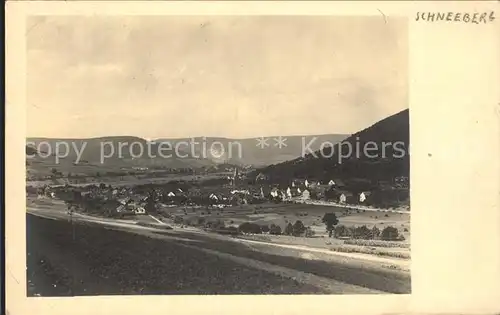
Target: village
x,y
232,204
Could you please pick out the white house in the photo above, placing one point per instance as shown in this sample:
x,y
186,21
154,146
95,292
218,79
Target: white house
x,y
306,195
213,197
289,192
306,183
274,193
362,197
171,194
342,198
331,183
293,184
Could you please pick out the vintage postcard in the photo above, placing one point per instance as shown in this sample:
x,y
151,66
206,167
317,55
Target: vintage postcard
x,y
256,154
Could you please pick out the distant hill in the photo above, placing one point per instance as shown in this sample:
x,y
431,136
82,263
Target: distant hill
x,y
375,164
178,153
110,146
248,152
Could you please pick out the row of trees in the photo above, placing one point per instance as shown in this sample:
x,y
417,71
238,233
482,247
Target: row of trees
x,y
389,233
296,229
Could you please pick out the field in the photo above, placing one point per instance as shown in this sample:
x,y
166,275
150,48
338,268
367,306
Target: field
x,y
87,259
311,216
282,214
124,263
135,255
117,181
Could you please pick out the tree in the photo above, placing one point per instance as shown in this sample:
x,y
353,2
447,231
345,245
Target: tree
x,y
288,229
151,202
275,229
330,220
265,228
298,228
362,232
389,233
351,231
375,232
341,231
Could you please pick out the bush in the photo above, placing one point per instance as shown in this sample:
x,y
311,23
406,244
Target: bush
x,y
288,229
389,233
264,228
362,232
377,243
227,231
275,229
378,252
298,228
249,227
341,231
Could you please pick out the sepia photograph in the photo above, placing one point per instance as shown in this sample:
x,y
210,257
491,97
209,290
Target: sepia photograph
x,y
252,157
195,155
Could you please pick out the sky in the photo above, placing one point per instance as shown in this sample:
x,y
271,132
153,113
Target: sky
x,y
227,76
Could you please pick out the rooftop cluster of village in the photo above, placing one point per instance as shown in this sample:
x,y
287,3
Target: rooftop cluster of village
x,y
220,192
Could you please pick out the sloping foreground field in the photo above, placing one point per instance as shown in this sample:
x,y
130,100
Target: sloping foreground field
x,y
88,259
